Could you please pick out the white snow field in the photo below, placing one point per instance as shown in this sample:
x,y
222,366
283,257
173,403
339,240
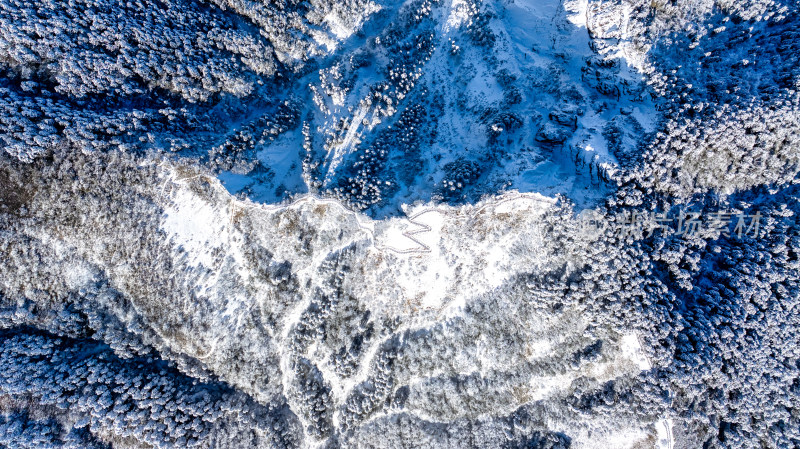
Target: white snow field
x,y
427,270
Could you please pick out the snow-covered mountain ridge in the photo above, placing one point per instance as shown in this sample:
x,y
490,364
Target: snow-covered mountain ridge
x,y
361,224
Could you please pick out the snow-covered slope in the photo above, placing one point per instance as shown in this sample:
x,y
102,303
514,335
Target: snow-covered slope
x,y
449,101
355,325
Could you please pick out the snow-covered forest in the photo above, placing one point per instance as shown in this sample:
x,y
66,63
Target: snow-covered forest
x,y
325,224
